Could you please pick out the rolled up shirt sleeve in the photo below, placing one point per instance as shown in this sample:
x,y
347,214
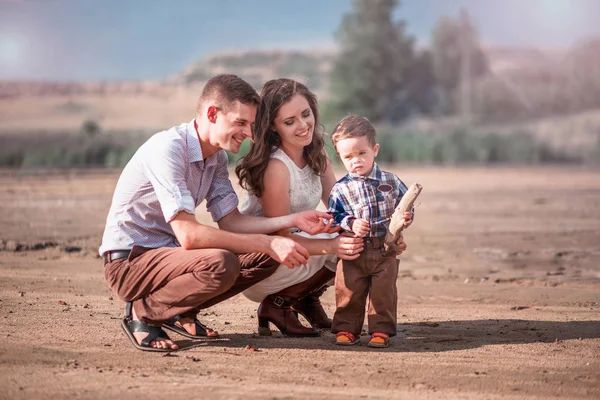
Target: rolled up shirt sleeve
x,y
338,208
221,198
168,178
346,223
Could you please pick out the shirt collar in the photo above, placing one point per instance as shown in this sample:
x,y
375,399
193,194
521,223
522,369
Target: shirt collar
x,y
375,174
194,149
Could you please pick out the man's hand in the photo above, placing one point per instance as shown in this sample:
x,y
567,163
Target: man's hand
x,y
348,246
361,227
287,252
400,245
313,222
408,219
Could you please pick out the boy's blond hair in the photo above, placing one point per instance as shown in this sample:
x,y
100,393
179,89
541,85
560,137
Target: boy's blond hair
x,y
353,126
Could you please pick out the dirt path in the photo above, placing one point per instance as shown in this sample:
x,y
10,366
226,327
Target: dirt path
x,y
499,297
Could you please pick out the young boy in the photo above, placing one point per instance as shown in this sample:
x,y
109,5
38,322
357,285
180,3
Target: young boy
x,y
363,202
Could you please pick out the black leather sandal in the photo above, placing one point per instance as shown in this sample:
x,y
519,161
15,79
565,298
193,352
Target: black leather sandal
x,y
201,329
154,332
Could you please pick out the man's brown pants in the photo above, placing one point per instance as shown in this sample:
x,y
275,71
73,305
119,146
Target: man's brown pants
x,y
372,274
170,281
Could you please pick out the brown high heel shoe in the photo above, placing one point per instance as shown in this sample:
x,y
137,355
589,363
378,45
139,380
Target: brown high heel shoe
x,y
277,310
311,308
282,308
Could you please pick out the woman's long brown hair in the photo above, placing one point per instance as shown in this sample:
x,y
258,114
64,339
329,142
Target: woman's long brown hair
x,y
251,168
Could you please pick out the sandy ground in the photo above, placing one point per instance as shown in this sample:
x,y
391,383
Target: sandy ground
x,y
499,297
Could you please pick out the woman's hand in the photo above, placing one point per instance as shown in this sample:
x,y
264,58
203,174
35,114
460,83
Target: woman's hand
x,y
348,246
314,222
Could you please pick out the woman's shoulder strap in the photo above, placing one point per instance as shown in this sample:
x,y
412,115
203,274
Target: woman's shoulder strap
x,y
281,156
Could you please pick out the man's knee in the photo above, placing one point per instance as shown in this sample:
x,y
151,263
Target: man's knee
x,y
113,275
226,267
261,265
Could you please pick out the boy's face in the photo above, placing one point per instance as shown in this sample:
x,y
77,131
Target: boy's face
x,y
357,154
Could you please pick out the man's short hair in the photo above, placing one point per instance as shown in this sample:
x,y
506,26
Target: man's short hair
x,y
225,89
353,126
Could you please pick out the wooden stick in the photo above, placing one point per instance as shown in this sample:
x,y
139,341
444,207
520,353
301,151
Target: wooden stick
x,y
397,220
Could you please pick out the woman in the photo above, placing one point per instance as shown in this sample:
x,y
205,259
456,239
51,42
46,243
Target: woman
x,y
285,171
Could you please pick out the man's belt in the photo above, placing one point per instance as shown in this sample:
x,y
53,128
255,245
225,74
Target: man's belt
x,y
114,255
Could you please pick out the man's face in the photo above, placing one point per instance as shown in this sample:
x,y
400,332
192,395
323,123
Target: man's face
x,y
232,126
357,154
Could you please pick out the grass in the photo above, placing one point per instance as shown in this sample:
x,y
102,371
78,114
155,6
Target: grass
x,y
457,146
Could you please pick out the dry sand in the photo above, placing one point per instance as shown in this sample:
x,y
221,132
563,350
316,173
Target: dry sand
x,y
499,297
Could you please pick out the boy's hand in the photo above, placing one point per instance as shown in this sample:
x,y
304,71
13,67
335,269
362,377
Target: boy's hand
x,y
400,245
361,227
396,248
408,219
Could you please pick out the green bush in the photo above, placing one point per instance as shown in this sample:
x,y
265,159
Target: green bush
x,y
459,146
68,149
464,146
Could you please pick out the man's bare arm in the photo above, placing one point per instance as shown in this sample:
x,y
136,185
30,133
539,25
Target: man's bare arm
x,y
193,235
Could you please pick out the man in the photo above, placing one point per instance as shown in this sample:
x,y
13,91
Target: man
x,y
158,258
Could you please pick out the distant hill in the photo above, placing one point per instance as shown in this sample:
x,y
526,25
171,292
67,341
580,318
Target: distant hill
x,y
524,78
149,105
507,58
257,67
153,105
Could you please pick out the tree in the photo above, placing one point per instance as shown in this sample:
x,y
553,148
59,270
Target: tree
x,y
369,76
457,58
422,90
90,127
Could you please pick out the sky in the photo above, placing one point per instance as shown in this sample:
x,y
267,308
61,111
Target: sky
x,y
108,40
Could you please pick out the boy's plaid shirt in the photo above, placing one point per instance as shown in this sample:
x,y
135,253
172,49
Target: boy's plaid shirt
x,y
373,197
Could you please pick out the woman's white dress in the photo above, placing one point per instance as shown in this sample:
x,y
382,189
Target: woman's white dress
x,y
305,194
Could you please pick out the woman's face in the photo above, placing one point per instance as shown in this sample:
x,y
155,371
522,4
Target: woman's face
x,y
295,122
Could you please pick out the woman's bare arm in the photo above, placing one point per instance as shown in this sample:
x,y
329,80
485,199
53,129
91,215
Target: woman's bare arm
x,y
276,203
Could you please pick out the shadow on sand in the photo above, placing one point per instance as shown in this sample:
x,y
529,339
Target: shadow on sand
x,y
429,336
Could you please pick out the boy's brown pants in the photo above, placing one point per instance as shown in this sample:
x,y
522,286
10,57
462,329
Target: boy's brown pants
x,y
372,274
170,281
